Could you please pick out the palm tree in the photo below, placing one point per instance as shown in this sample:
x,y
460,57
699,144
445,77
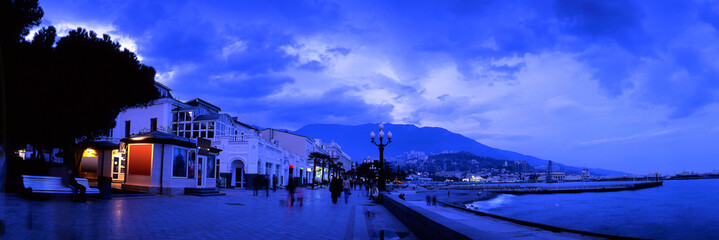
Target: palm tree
x,y
339,168
329,161
316,157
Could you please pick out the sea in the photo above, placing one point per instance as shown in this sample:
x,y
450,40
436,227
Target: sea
x,y
680,209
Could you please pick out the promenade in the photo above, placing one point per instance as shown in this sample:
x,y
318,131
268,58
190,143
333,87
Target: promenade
x,y
490,227
238,215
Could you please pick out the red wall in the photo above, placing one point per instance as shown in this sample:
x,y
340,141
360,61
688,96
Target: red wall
x,y
139,161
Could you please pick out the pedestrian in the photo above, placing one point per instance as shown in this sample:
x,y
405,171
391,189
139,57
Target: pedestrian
x,y
346,188
78,190
369,186
300,191
428,200
335,189
267,186
447,193
291,193
374,194
434,199
256,185
274,183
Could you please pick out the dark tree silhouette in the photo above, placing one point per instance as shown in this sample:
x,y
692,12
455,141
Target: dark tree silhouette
x,y
66,95
316,157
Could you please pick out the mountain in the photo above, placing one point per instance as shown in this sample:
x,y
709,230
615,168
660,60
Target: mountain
x,y
461,161
355,141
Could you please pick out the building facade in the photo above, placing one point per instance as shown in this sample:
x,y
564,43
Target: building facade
x,y
245,156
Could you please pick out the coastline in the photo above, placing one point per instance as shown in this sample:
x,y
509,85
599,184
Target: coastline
x,y
453,208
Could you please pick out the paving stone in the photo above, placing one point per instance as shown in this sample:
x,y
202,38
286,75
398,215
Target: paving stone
x,y
186,217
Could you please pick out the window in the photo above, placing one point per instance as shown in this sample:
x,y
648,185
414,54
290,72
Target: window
x,y
203,126
211,166
127,129
153,124
211,134
174,117
211,125
179,162
203,134
195,126
182,116
191,164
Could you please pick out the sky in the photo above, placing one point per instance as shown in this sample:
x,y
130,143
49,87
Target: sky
x,y
623,85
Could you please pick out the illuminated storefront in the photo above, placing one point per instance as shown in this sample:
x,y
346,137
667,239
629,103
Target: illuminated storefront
x,y
163,163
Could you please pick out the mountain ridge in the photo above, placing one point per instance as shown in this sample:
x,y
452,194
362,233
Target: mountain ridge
x,y
355,141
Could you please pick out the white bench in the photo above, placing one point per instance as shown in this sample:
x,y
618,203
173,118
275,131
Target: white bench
x,y
45,184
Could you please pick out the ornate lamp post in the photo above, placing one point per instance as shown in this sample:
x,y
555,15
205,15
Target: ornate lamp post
x,y
381,146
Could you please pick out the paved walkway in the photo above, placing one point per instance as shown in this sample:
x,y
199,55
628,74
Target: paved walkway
x,y
497,227
238,215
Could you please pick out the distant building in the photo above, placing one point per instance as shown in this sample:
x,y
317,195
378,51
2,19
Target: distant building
x,y
301,146
586,174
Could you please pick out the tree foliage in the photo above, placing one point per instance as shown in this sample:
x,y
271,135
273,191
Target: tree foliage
x,y
58,93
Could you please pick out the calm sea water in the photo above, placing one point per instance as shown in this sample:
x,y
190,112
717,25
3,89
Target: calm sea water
x,y
681,209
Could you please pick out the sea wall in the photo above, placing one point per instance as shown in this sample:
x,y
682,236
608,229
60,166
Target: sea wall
x,y
429,225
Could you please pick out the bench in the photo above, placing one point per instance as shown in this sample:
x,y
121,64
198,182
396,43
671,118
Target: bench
x,y
45,184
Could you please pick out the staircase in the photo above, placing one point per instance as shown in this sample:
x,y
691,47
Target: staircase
x,y
203,192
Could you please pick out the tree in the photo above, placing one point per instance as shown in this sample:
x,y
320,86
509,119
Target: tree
x,y
339,168
316,157
67,94
16,19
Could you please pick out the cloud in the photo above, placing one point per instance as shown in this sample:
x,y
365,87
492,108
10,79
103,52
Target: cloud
x,y
339,105
634,137
536,77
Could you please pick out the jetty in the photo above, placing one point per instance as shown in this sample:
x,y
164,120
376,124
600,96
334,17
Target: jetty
x,y
554,188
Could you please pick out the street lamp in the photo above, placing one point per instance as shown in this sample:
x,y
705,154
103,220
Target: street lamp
x,y
381,146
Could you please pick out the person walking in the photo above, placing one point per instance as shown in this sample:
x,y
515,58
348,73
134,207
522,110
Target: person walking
x,y
374,194
274,183
346,187
300,191
428,200
335,189
256,185
267,186
291,193
368,186
434,200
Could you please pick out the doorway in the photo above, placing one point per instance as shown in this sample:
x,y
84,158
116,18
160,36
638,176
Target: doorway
x,y
200,180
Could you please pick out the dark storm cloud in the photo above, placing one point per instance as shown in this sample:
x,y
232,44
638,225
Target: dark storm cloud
x,y
643,46
337,105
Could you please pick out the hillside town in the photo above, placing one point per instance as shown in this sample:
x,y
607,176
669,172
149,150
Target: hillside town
x,y
458,167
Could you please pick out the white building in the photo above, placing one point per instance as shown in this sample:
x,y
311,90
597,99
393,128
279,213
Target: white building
x,y
302,146
335,151
244,157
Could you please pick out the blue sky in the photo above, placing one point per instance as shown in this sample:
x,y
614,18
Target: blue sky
x,y
625,85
